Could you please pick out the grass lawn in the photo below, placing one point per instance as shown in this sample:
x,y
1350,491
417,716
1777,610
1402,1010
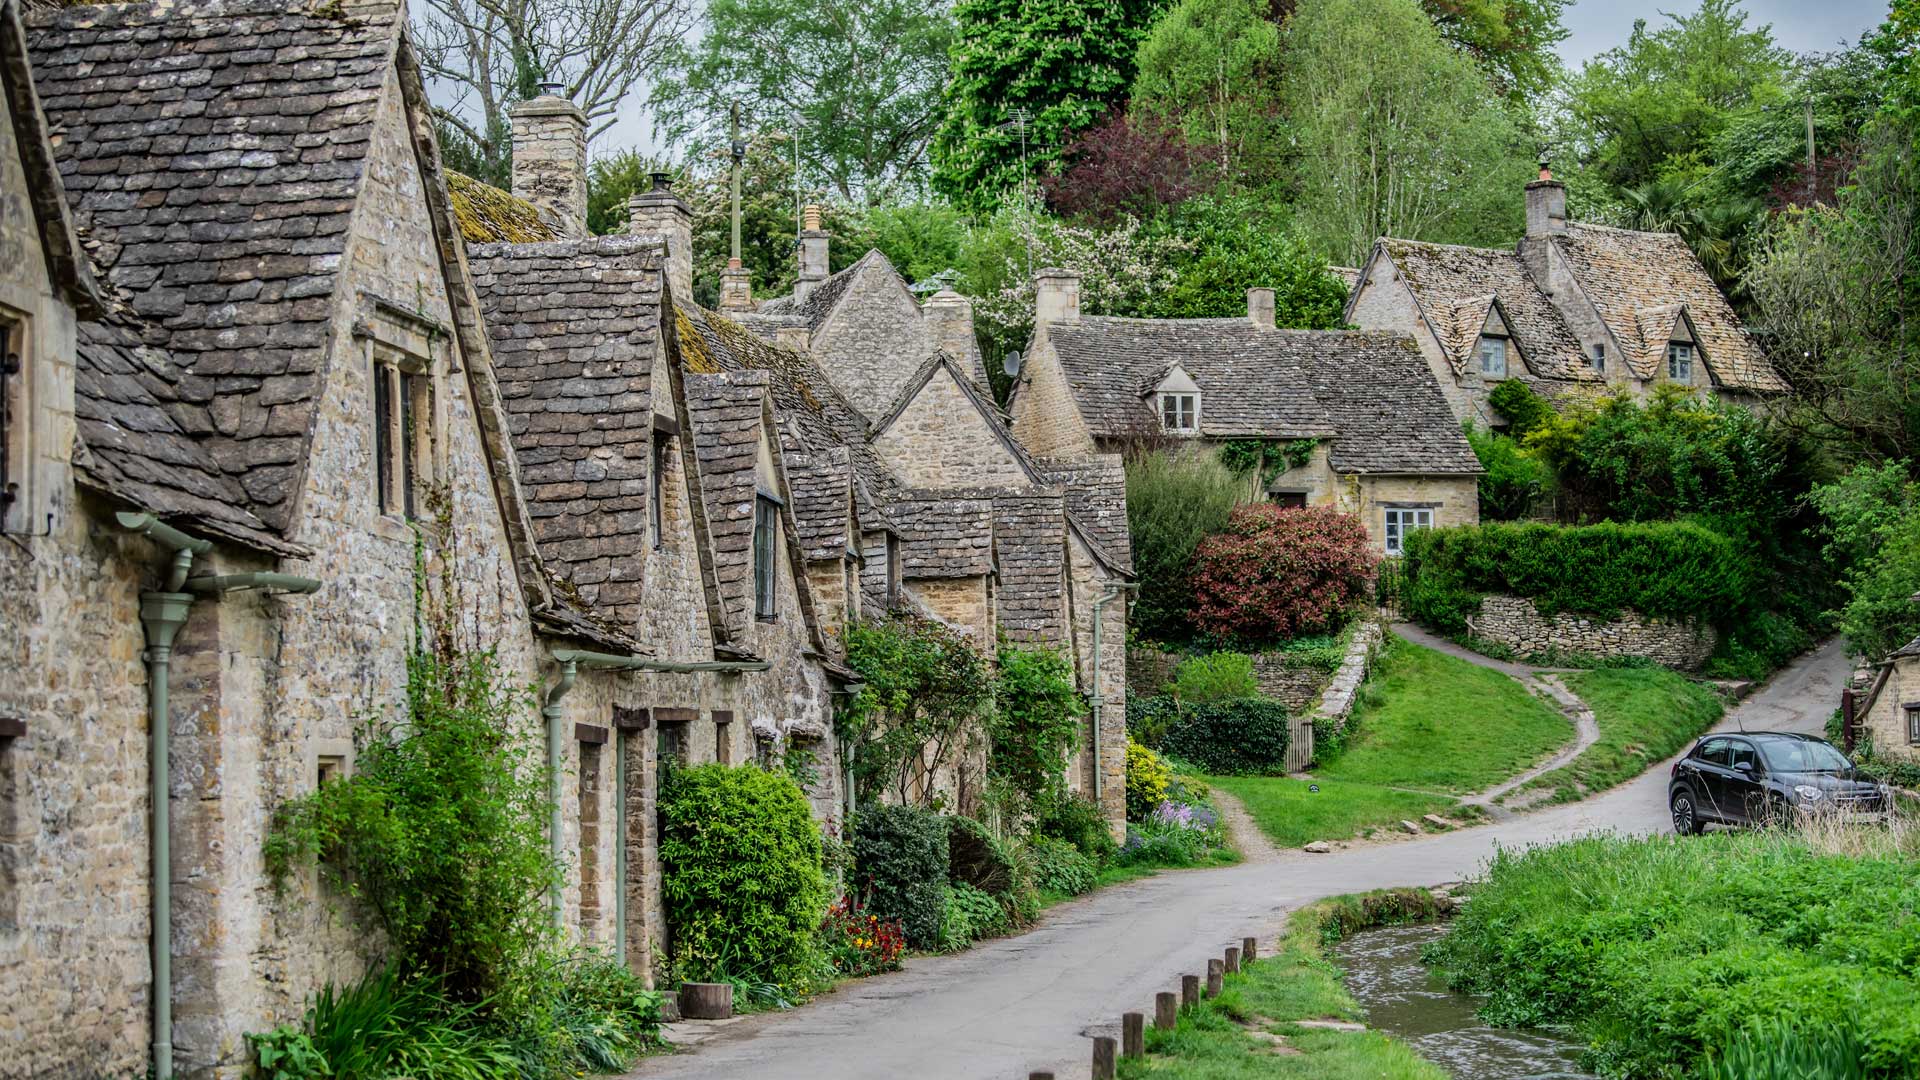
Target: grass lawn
x,y
1290,815
1235,1035
1646,715
1429,721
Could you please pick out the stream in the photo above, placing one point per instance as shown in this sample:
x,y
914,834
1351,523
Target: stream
x,y
1404,1000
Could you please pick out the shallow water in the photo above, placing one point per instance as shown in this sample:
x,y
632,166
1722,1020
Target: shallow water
x,y
1404,1000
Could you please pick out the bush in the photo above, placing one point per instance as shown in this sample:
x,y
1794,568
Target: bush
x,y
1669,569
900,860
975,858
1513,481
925,684
741,881
1525,410
1059,867
1149,717
384,1025
1174,834
858,942
1035,719
1277,572
1148,779
968,916
1175,498
1214,677
1075,819
1229,737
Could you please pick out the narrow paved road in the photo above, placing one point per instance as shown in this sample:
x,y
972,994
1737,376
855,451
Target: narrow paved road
x,y
1026,1002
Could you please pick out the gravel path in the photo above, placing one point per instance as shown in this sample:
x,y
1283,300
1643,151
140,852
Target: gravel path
x,y
1024,1003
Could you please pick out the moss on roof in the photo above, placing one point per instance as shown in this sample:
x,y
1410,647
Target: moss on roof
x,y
488,215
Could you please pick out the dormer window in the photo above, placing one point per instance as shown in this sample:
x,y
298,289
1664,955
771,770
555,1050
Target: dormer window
x,y
1180,413
1598,358
403,431
1680,361
1493,357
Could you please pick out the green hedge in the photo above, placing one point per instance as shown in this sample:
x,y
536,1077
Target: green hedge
x,y
740,873
1245,735
900,857
1668,569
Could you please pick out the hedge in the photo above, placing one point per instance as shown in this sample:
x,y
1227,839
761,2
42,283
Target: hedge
x,y
900,856
1245,735
1667,569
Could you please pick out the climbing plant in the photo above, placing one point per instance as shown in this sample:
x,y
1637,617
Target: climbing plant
x,y
1036,715
925,685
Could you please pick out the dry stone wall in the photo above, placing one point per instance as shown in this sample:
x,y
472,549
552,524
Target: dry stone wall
x,y
1517,624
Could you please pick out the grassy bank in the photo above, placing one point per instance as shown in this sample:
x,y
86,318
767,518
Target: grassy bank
x,y
1250,1030
1291,815
1429,721
1646,715
1671,954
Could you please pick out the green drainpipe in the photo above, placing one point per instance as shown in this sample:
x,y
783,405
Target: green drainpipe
x,y
162,613
1099,698
551,713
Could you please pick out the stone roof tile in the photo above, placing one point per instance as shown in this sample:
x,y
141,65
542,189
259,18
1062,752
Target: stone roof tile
x,y
945,534
1030,553
728,414
1096,492
1380,394
1448,280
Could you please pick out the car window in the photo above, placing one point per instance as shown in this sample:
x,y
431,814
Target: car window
x,y
1795,755
1716,751
1744,754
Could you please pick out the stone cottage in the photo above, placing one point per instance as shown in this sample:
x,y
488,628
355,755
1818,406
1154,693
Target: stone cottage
x,y
1361,420
1886,715
1573,310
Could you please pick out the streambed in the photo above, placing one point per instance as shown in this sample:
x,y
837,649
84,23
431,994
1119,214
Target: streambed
x,y
1404,1000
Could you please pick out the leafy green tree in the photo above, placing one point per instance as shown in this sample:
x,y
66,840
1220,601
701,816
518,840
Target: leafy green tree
x,y
1513,480
1211,68
1233,243
925,686
1655,105
1872,523
1036,716
1398,133
1511,40
859,83
1064,62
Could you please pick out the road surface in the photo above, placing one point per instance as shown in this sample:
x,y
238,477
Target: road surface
x,y
1022,1003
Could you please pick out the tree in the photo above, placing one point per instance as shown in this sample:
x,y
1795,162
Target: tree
x,y
1175,499
1061,63
1278,572
1210,68
1124,166
493,53
1232,243
1397,132
1511,40
859,83
1655,105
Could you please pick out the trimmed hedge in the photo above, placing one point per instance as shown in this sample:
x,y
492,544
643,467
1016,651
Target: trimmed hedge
x,y
1246,735
1668,569
900,858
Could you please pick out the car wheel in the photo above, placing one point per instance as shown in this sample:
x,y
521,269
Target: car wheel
x,y
1686,821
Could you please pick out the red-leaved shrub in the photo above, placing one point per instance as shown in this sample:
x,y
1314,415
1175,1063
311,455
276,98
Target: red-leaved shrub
x,y
1279,572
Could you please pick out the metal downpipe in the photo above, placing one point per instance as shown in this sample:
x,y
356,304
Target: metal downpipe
x,y
556,747
1099,697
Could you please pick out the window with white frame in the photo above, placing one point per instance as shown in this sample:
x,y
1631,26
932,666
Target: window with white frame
x,y
1402,520
1493,357
766,536
15,447
404,433
1599,357
1680,361
1180,412
1913,723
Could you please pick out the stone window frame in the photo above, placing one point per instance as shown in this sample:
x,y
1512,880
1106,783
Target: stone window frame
x,y
407,431
17,385
1393,532
766,545
1176,405
1597,357
1680,358
1912,711
657,489
1490,346
896,571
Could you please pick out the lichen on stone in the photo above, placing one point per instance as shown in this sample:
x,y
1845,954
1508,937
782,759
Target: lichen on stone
x,y
488,215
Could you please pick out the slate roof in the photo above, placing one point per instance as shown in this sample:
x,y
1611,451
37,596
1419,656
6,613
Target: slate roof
x,y
1379,392
1031,556
813,312
1628,274
728,413
573,329
1447,279
1112,363
945,534
487,215
211,151
1096,494
821,484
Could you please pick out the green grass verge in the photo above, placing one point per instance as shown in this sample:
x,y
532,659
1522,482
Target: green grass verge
x,y
1119,875
1291,815
1240,1034
1646,715
1430,721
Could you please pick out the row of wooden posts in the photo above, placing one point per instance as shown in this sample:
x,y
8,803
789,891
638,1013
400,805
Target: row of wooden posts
x,y
1167,1007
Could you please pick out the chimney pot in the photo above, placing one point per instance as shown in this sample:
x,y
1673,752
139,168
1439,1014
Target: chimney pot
x,y
810,217
552,89
1260,307
550,161
1056,296
661,181
813,254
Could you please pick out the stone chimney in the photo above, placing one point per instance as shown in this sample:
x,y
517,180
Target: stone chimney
x,y
659,212
1056,296
813,254
736,287
1546,206
550,159
1260,307
950,319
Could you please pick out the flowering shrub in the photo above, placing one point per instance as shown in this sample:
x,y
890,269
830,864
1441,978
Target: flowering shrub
x,y
1278,572
859,942
1147,780
1174,834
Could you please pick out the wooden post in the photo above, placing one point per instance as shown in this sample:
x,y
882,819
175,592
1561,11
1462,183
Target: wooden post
x,y
1215,973
1166,1010
1103,1048
1249,950
1039,1076
1133,1035
1189,991
706,1001
1232,962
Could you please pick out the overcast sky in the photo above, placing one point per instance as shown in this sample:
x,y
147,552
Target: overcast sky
x,y
1594,26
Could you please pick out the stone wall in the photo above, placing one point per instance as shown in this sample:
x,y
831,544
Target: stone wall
x,y
1883,719
1518,625
874,340
942,441
1290,679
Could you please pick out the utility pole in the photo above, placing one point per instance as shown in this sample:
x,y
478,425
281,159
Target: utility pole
x,y
1813,167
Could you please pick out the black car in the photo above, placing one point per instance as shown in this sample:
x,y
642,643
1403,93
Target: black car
x,y
1762,777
